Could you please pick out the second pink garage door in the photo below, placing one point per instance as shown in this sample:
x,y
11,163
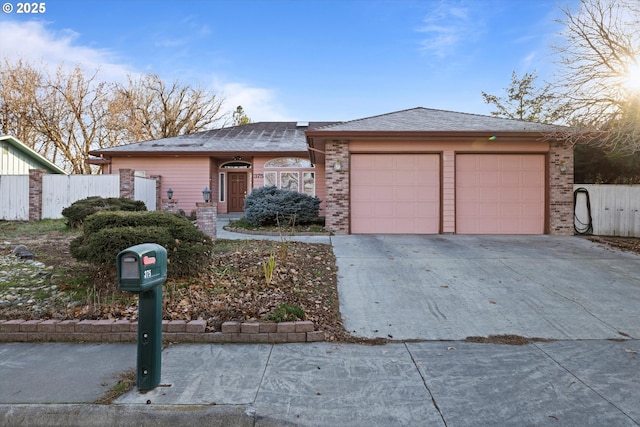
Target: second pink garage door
x,y
500,193
395,193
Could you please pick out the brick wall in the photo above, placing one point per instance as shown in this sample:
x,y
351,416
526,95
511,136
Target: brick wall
x,y
560,188
123,330
337,204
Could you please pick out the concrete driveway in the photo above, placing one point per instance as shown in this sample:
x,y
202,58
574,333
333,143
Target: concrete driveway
x,y
453,287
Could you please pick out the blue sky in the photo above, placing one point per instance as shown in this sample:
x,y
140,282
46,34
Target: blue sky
x,y
304,59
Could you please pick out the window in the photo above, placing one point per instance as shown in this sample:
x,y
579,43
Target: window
x,y
289,181
288,162
270,178
236,165
221,181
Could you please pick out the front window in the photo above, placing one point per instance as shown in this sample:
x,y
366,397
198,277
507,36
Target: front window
x,y
287,175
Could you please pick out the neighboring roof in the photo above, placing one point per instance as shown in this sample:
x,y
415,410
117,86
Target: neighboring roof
x,y
428,120
262,137
32,157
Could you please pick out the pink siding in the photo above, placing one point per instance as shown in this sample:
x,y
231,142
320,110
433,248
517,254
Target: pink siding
x,y
395,193
500,193
186,176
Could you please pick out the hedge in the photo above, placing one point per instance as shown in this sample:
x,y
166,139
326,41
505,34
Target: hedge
x,y
79,210
107,233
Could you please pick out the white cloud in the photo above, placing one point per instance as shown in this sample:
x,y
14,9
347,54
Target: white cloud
x,y
32,41
260,104
525,63
445,28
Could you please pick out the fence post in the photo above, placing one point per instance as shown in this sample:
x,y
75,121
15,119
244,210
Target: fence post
x,y
206,214
35,194
127,183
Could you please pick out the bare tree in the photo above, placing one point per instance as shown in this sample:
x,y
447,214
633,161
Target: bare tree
x,y
19,84
147,108
61,116
65,115
525,101
599,58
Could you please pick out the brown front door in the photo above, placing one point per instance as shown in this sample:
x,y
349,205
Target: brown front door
x,y
237,191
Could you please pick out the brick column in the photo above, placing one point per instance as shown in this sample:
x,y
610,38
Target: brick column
x,y
206,215
127,183
35,194
561,188
337,205
170,205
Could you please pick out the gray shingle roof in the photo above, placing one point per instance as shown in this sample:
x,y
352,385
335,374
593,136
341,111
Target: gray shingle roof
x,y
428,120
255,137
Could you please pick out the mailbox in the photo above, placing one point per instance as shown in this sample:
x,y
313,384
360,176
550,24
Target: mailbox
x,y
141,267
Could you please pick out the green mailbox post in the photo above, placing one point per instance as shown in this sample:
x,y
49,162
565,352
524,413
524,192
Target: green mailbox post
x,y
142,269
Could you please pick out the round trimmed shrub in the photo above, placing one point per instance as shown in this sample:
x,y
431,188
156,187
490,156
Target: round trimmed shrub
x,y
81,209
268,205
107,233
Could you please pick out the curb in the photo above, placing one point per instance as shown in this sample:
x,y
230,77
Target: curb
x,y
111,330
89,415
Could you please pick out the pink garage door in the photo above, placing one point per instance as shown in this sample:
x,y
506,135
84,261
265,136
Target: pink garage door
x,y
395,193
500,193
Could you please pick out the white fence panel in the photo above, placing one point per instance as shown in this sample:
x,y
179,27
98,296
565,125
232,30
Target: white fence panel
x,y
60,191
615,209
145,191
14,197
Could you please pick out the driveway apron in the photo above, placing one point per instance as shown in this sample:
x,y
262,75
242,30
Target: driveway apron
x,y
452,287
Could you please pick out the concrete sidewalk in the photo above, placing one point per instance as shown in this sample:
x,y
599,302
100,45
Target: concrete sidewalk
x,y
452,383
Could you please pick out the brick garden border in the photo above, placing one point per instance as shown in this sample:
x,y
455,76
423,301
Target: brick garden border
x,y
111,330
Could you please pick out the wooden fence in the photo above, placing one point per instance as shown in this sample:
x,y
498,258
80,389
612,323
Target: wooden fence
x,y
60,191
14,197
614,209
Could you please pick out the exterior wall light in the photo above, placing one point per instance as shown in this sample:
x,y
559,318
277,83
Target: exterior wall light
x,y
170,194
563,166
337,166
206,195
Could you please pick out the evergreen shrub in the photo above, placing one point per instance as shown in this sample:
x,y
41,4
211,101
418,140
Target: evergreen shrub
x,y
107,233
80,209
269,205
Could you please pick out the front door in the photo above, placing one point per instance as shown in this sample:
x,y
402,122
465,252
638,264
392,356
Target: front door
x,y
237,190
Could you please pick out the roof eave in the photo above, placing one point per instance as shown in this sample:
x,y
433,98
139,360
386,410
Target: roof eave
x,y
354,134
38,158
151,153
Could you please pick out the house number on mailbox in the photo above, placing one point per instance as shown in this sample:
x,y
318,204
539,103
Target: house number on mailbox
x,y
147,274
